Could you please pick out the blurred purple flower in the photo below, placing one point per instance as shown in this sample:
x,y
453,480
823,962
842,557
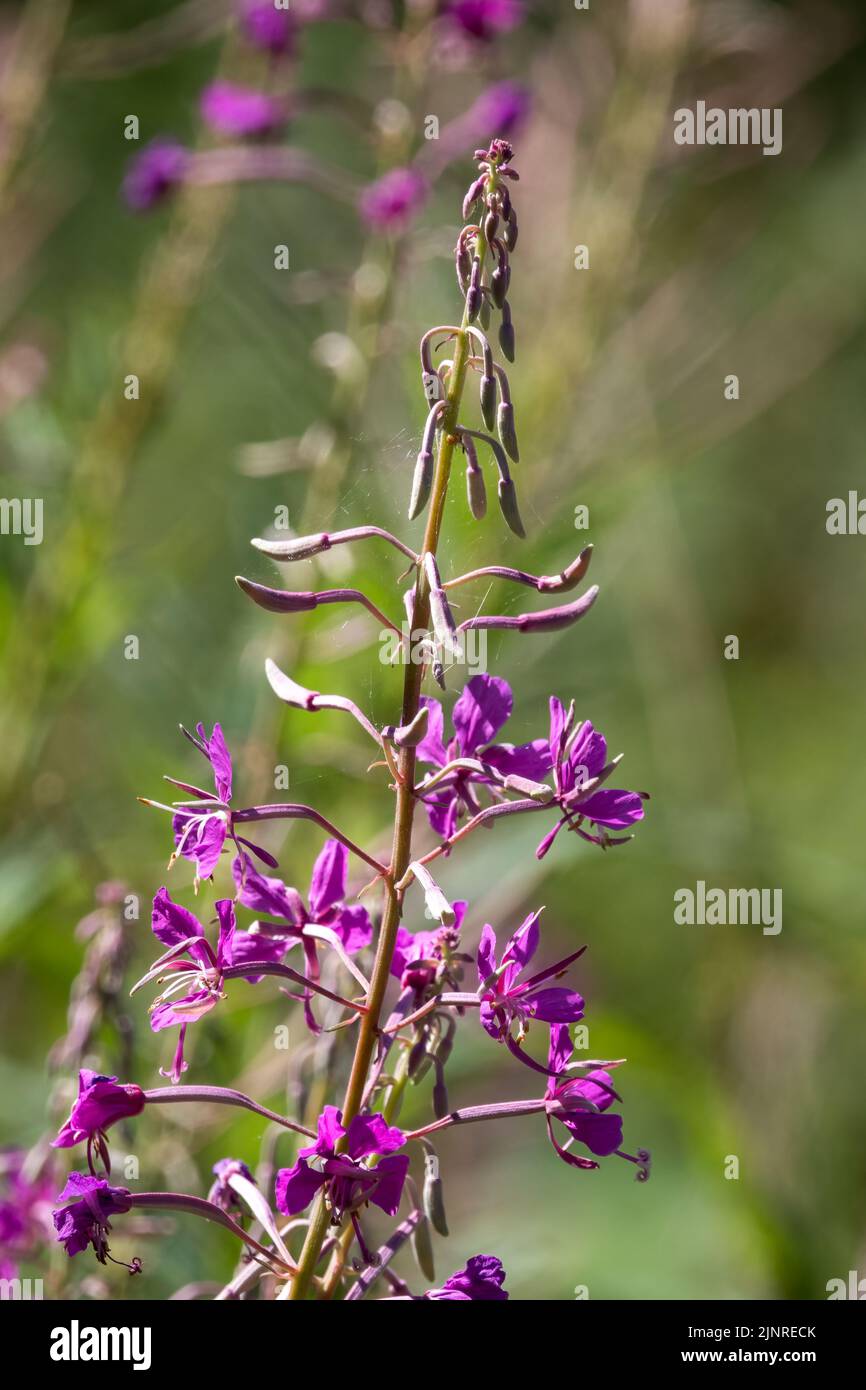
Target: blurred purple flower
x,y
269,28
390,203
154,172
484,19
231,109
350,1183
479,1281
500,109
480,712
85,1221
25,1210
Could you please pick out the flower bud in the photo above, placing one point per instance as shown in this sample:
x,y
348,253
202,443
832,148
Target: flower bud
x,y
509,234
422,1248
508,507
422,481
491,225
473,193
473,294
432,385
506,431
487,394
506,332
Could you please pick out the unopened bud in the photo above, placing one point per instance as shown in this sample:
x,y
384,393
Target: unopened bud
x,y
506,431
508,507
506,332
487,395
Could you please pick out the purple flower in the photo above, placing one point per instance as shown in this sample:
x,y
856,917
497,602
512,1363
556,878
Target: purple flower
x,y
197,968
153,172
581,1104
480,712
480,1281
578,755
390,203
101,1103
25,1209
85,1221
508,999
221,1193
201,827
231,109
484,19
266,27
425,960
500,108
327,918
350,1184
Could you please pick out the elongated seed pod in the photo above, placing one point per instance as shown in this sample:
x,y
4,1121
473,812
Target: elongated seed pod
x,y
476,493
506,431
506,332
508,507
487,397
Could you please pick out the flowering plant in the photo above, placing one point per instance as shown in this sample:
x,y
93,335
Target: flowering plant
x,y
354,1153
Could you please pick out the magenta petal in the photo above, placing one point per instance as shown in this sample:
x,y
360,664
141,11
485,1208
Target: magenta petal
x,y
371,1134
296,1187
402,947
328,884
530,760
329,1130
557,1005
172,923
225,910
260,893
481,711
602,1134
431,749
561,1048
391,1174
615,809
204,842
220,760
186,1008
524,943
354,928
588,755
486,953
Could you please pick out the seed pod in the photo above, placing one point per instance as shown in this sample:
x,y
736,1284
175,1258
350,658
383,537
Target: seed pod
x,y
506,332
506,431
473,295
463,265
420,1058
473,193
499,282
432,1195
422,481
484,311
487,395
441,1106
508,507
476,492
491,226
509,233
422,1249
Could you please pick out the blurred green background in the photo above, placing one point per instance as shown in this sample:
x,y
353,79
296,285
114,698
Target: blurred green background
x,y
707,516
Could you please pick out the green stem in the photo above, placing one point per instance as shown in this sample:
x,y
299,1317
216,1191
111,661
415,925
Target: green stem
x,y
401,853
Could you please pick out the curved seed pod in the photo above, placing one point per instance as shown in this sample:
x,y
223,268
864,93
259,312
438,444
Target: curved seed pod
x,y
422,1249
476,492
506,431
499,286
473,295
508,507
473,193
487,396
422,480
506,332
408,735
